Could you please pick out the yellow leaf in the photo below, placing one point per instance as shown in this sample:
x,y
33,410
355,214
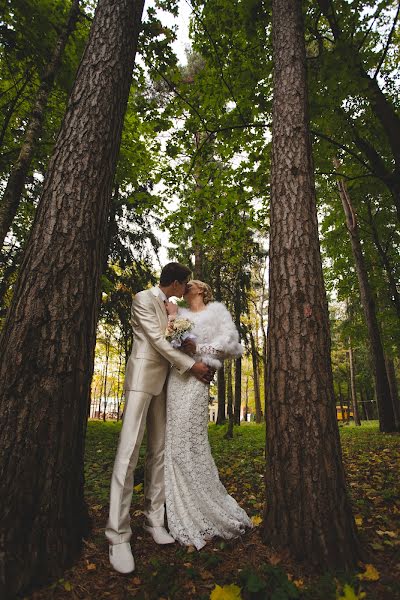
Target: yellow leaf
x,y
350,594
391,534
299,583
67,586
91,566
359,520
370,574
227,592
138,487
256,520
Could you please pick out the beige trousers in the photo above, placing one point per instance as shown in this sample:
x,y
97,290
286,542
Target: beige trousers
x,y
142,411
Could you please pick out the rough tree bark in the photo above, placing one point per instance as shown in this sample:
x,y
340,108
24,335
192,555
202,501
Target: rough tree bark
x,y
16,182
308,511
47,343
387,422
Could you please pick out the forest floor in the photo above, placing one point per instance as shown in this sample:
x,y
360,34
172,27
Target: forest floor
x,y
243,568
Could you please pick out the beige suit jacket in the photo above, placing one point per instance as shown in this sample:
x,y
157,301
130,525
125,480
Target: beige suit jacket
x,y
149,363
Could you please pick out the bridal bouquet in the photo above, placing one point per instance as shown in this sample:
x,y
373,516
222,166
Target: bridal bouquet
x,y
178,330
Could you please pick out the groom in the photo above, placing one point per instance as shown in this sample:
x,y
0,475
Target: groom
x,y
145,378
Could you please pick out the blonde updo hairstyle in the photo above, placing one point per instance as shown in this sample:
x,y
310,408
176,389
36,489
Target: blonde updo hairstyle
x,y
207,292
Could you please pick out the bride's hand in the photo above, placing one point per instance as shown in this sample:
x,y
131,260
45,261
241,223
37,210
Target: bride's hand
x,y
189,347
172,308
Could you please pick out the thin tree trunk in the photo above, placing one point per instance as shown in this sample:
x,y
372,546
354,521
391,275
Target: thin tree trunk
x,y
16,181
238,390
47,342
221,417
105,399
256,378
363,407
229,394
353,386
308,511
393,388
371,405
246,406
264,363
238,361
341,401
119,395
386,415
198,252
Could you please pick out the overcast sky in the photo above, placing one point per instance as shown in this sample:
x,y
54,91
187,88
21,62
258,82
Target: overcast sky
x,y
183,26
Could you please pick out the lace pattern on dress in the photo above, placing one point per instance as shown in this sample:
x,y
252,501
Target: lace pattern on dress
x,y
198,505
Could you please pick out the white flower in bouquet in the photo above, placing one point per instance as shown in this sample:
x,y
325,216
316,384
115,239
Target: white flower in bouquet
x,y
178,330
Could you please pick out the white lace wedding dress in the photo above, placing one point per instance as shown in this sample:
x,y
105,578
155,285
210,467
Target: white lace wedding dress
x,y
198,505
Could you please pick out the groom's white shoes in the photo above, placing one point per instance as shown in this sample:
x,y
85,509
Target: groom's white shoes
x,y
121,558
160,535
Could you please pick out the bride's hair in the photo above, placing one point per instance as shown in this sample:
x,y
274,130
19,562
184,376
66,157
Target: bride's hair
x,y
207,291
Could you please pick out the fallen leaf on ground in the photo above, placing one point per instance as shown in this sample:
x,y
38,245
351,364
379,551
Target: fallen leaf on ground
x,y
350,594
370,574
227,592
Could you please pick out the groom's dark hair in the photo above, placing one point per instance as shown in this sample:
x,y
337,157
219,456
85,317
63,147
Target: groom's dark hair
x,y
174,272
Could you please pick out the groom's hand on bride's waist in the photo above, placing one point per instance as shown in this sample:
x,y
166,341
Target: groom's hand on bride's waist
x,y
203,372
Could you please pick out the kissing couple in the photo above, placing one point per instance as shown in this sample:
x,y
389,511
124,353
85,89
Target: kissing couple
x,y
167,392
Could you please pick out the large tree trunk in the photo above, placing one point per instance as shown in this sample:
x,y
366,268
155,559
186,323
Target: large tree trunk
x,y
386,415
16,181
308,511
47,343
256,377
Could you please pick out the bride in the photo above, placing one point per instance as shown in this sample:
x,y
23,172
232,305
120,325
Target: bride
x,y
198,506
